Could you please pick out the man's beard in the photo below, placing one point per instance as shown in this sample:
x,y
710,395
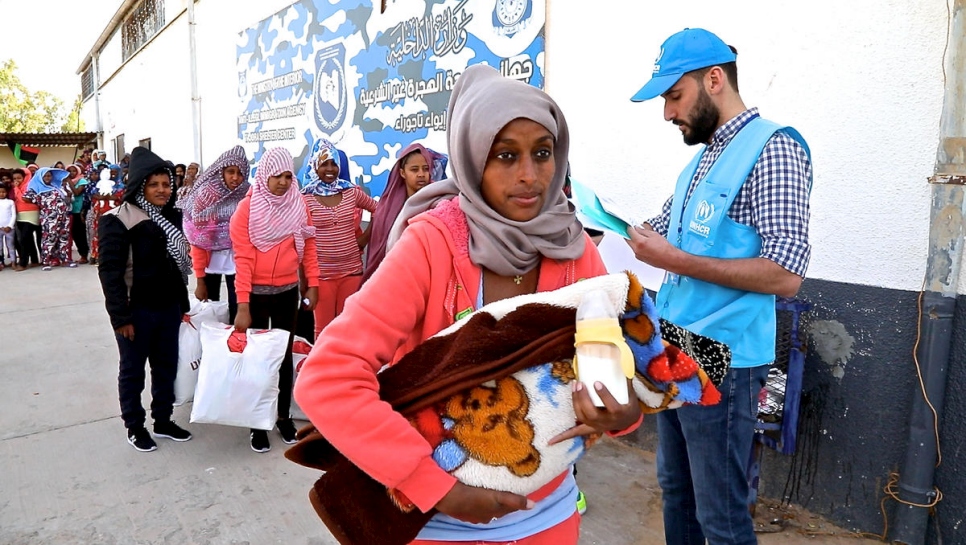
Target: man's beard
x,y
702,122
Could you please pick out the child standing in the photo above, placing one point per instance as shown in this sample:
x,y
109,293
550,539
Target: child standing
x,y
27,232
332,204
8,220
274,243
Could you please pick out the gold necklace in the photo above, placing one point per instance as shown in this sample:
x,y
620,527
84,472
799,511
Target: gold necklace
x,y
518,279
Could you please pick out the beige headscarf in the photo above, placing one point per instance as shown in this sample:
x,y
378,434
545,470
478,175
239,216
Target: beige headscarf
x,y
482,103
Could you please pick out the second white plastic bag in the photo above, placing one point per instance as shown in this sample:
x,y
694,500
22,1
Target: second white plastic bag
x,y
189,345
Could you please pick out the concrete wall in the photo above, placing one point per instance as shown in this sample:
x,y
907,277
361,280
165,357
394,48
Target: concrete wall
x,y
149,95
861,80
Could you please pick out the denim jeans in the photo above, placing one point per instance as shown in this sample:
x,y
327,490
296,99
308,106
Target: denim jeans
x,y
702,458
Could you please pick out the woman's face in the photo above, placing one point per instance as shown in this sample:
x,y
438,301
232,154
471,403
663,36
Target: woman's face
x,y
179,171
327,171
192,170
278,185
519,170
58,164
48,177
17,178
157,189
415,172
232,176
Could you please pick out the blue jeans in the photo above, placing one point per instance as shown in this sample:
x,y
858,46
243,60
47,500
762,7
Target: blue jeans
x,y
702,458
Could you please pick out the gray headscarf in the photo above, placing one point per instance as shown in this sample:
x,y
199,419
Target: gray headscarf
x,y
482,103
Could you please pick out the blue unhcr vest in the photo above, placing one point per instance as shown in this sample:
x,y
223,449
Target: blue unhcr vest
x,y
743,320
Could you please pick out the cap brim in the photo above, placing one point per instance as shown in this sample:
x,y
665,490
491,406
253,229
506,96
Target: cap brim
x,y
656,87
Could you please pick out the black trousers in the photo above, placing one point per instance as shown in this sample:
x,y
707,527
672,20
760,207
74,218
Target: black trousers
x,y
156,342
78,232
26,240
278,312
213,283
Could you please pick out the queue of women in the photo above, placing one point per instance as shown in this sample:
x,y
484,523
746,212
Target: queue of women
x,y
286,244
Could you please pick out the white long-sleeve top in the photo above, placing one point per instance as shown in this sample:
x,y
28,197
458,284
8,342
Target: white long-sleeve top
x,y
8,213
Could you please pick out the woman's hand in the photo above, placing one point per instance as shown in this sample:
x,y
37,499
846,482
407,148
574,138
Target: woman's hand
x,y
480,505
592,419
243,318
126,331
312,294
201,289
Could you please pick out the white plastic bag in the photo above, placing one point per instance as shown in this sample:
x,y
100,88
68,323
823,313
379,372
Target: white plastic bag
x,y
189,345
239,388
218,310
300,350
189,359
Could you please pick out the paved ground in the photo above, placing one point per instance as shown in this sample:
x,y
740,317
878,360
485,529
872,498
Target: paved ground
x,y
68,476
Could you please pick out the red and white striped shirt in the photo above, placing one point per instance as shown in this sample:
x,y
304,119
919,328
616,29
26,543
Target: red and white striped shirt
x,y
336,243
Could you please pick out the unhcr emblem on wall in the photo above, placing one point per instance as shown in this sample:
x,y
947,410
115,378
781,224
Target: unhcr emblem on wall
x,y
330,89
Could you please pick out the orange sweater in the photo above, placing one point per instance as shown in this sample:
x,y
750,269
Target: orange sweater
x,y
20,204
277,267
418,290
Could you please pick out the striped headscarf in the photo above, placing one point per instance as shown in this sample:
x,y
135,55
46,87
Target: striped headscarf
x,y
274,218
209,207
177,244
323,150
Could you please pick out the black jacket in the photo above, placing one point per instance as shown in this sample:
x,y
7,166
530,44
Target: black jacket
x,y
134,266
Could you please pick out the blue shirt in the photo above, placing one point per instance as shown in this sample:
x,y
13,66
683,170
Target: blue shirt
x,y
773,200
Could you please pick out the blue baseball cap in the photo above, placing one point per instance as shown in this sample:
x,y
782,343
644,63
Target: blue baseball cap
x,y
688,50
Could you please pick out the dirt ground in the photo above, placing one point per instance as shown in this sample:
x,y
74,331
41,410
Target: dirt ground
x,y
624,505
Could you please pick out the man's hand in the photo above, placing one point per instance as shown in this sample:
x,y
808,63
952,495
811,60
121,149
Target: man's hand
x,y
593,419
243,318
201,289
126,331
651,248
480,505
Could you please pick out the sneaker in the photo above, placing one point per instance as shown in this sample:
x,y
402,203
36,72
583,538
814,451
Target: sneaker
x,y
581,502
260,442
71,265
47,268
287,430
141,440
172,431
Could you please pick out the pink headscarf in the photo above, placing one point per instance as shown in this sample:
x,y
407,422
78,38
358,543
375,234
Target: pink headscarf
x,y
274,218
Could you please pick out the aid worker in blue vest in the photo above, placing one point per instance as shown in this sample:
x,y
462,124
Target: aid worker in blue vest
x,y
732,237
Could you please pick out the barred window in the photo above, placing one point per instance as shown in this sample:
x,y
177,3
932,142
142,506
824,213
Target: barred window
x,y
87,81
141,25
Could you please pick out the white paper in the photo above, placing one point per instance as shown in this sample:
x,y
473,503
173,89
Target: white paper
x,y
619,257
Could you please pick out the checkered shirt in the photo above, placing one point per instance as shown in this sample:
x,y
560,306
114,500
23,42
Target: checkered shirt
x,y
773,199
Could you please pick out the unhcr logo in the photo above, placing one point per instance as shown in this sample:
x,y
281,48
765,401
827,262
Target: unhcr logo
x,y
657,61
702,215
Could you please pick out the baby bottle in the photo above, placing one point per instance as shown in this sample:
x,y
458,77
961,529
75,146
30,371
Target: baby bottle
x,y
602,355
